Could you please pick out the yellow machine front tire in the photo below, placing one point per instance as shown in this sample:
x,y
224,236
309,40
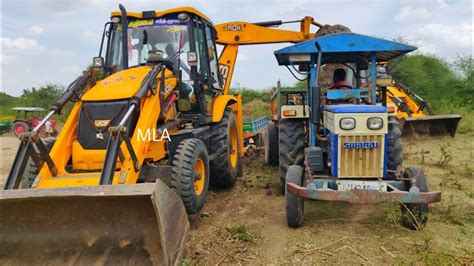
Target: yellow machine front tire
x,y
225,151
190,174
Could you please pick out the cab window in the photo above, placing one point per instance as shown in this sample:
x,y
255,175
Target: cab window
x,y
212,54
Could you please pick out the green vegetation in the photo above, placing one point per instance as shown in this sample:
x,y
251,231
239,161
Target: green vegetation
x,y
34,97
256,102
449,88
435,80
241,233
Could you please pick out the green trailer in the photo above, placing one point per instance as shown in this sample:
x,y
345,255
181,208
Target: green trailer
x,y
6,122
254,129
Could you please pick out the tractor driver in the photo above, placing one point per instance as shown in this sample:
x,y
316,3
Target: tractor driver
x,y
339,79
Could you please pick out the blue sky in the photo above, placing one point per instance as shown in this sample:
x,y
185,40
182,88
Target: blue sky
x,y
51,41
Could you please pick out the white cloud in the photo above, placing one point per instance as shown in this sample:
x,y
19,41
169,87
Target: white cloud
x,y
20,44
35,30
410,13
459,35
89,35
73,30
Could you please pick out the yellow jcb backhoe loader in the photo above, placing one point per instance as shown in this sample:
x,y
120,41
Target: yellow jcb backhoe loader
x,y
415,116
152,125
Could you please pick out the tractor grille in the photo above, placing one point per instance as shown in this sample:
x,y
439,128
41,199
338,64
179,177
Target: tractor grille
x,y
361,162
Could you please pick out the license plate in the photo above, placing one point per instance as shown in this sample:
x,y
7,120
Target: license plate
x,y
347,185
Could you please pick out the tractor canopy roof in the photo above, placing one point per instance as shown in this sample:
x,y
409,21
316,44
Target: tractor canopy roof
x,y
343,48
157,13
29,109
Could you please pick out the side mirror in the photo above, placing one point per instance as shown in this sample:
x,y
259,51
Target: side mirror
x,y
98,62
192,59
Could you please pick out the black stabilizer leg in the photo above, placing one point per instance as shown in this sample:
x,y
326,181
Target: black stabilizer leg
x,y
19,164
113,147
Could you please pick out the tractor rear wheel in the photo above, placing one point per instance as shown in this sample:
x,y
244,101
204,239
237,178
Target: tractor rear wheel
x,y
19,128
291,146
225,151
394,147
190,174
271,144
415,215
31,171
294,205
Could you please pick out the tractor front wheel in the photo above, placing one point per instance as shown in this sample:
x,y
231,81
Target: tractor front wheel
x,y
294,205
415,215
190,174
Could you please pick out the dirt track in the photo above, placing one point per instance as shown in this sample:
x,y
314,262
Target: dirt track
x,y
247,223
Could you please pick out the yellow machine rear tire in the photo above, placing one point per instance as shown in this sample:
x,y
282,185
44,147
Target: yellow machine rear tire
x,y
31,171
190,174
225,151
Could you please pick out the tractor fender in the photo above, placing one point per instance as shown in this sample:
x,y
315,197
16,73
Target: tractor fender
x,y
219,105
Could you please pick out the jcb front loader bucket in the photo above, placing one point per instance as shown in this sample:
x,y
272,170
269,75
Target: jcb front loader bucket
x,y
429,126
139,224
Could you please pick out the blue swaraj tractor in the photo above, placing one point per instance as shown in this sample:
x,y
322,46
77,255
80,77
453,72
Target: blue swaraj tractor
x,y
347,146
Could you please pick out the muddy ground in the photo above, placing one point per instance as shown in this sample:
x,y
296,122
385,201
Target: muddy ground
x,y
246,224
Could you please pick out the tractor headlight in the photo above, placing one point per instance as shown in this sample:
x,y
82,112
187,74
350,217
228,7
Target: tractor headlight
x,y
375,123
347,123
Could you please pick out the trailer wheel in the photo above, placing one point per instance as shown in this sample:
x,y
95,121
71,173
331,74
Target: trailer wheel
x,y
271,144
19,128
225,149
394,147
294,204
415,215
291,146
31,171
190,174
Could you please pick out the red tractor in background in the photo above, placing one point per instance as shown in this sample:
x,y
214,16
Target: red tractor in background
x,y
30,120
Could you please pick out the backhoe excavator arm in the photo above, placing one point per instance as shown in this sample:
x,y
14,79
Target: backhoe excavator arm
x,y
233,34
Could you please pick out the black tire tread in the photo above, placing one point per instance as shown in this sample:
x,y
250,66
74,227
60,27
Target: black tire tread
x,y
291,146
271,144
294,205
223,175
415,215
182,173
394,146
